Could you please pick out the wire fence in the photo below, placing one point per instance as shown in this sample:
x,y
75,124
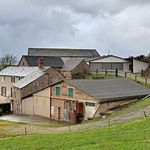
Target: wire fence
x,y
136,77
26,129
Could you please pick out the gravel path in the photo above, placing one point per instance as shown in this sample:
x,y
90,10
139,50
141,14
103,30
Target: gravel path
x,y
32,128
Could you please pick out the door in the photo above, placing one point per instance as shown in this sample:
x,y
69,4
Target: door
x,y
80,112
66,111
59,112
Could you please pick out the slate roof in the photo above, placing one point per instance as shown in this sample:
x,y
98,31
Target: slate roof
x,y
102,59
71,64
17,71
31,77
63,52
54,62
111,89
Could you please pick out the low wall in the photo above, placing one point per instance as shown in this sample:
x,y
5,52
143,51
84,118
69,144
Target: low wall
x,y
104,107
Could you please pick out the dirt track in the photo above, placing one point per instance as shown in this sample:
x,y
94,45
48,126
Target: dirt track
x,y
31,128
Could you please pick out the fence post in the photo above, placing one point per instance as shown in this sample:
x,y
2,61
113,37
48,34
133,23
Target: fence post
x,y
125,74
25,130
135,77
96,71
105,72
116,72
146,81
145,114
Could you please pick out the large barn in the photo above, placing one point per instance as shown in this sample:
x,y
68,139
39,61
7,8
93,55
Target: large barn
x,y
64,52
76,100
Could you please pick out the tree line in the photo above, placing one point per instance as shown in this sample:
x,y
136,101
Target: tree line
x,y
7,60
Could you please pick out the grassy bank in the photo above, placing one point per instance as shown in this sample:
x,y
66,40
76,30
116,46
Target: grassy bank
x,y
131,108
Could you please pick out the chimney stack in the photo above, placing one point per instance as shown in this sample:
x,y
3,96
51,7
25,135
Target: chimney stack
x,y
40,62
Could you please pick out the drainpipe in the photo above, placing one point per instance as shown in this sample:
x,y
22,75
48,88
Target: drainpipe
x,y
50,101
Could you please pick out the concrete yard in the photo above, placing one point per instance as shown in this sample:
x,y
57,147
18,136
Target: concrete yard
x,y
27,119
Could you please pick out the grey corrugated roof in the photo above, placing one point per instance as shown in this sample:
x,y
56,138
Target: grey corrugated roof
x,y
63,52
31,77
17,71
122,60
111,89
71,64
55,62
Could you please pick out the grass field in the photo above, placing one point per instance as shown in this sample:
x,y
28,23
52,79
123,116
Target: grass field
x,y
131,136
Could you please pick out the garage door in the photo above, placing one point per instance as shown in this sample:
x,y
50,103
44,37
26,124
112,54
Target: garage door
x,y
42,106
5,108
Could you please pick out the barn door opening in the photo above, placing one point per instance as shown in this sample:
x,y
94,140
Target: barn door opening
x,y
80,112
4,109
59,112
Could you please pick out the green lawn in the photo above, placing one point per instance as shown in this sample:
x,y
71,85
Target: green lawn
x,y
131,136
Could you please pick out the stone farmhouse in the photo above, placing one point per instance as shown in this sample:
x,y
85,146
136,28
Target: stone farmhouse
x,y
8,77
73,67
76,100
13,75
46,85
68,69
32,61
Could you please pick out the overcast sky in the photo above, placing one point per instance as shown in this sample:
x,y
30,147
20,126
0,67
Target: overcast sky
x,y
119,26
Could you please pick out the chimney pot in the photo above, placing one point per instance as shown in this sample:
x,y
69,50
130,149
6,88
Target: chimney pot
x,y
40,62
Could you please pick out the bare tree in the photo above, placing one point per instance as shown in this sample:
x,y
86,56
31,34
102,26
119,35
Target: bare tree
x,y
8,60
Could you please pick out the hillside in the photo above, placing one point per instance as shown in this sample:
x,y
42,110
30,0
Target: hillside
x,y
129,136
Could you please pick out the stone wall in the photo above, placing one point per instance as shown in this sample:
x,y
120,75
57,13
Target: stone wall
x,y
50,77
104,107
78,96
5,81
82,67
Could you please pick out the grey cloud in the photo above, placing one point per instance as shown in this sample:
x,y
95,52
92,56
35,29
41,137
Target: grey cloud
x,y
122,27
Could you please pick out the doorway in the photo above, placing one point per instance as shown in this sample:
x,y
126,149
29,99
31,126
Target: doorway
x,y
5,108
80,112
59,112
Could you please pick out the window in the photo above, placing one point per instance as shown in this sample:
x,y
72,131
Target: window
x,y
90,104
57,91
12,79
70,92
3,91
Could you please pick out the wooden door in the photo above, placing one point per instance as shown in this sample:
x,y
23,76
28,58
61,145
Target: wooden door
x,y
80,112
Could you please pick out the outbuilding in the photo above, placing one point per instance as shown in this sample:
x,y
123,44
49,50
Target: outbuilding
x,y
77,100
110,62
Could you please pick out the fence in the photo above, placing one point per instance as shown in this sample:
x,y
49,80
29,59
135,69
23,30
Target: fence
x,y
137,77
